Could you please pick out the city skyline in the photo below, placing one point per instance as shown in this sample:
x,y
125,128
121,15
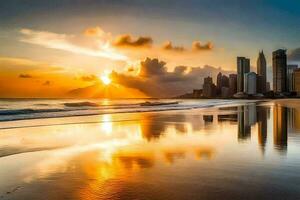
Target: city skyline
x,y
249,84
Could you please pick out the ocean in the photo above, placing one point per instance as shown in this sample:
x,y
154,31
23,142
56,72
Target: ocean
x,y
21,109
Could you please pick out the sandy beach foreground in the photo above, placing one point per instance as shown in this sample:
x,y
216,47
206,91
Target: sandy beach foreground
x,y
248,150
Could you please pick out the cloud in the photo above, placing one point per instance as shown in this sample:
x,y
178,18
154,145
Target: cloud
x,y
96,47
89,78
169,46
198,46
127,40
95,31
25,76
156,81
294,55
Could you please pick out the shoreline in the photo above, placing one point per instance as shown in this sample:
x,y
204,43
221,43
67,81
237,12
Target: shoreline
x,y
101,118
22,117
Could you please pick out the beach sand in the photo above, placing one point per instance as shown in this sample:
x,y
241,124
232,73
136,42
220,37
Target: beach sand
x,y
226,152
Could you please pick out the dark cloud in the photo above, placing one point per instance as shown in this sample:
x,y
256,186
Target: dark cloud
x,y
198,46
89,78
25,76
127,40
169,46
154,79
294,55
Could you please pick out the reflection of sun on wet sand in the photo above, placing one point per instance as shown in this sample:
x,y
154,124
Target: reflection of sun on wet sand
x,y
109,156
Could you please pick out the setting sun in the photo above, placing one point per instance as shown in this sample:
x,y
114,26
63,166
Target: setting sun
x,y
105,79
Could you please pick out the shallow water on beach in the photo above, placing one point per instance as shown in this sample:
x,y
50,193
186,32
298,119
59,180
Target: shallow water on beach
x,y
245,151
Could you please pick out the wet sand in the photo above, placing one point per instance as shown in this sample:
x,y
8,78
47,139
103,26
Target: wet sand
x,y
229,152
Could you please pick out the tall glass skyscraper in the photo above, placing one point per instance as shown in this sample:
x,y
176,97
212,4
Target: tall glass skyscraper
x,y
279,71
262,72
243,66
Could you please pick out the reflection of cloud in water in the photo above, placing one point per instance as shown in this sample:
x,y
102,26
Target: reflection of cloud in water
x,y
129,161
205,152
152,129
171,156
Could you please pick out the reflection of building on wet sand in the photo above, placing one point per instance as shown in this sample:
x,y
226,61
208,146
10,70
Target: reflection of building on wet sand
x,y
262,116
244,128
249,115
246,117
294,119
280,127
208,118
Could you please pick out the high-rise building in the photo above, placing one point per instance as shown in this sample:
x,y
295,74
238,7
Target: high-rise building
x,y
290,77
225,92
296,81
222,81
262,72
279,71
232,84
259,83
243,66
219,83
209,88
225,81
250,83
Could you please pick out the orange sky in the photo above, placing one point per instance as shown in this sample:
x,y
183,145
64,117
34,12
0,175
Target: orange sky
x,y
77,74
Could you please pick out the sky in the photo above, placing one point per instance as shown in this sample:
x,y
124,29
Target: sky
x,y
65,48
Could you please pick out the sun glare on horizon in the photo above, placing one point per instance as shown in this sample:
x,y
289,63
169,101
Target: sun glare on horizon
x,y
105,79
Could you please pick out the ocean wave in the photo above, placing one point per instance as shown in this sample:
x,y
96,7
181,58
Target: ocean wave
x,y
93,104
27,111
82,104
80,109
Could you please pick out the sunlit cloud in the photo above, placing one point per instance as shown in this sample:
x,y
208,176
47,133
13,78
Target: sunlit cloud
x,y
97,47
154,79
128,40
169,46
89,78
198,46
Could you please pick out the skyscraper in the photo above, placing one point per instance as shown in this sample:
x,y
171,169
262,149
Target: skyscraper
x,y
243,66
219,83
225,81
209,88
259,83
296,81
232,83
262,72
250,83
279,71
290,77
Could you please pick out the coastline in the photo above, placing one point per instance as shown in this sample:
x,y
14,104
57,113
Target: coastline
x,y
46,110
134,150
